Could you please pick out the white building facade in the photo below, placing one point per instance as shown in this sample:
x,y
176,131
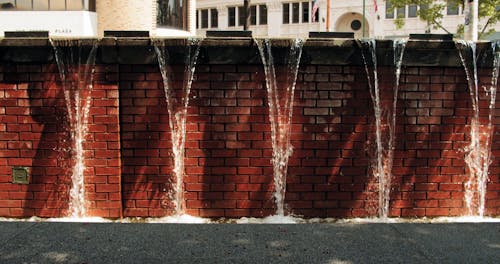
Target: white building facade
x,y
294,18
90,18
59,17
180,18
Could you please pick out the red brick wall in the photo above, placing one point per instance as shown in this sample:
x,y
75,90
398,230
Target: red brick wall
x,y
146,145
34,133
434,125
228,149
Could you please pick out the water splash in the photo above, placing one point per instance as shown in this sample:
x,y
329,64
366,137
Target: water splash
x,y
478,154
280,100
175,219
177,98
273,219
75,61
186,219
385,121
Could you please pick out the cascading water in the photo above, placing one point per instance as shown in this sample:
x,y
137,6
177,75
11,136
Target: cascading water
x,y
177,99
399,46
399,49
385,122
75,61
478,154
280,100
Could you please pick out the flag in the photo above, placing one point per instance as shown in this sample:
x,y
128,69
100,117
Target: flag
x,y
375,5
314,10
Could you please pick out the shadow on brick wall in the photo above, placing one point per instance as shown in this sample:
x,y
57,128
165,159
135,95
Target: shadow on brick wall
x,y
329,170
48,144
238,152
146,144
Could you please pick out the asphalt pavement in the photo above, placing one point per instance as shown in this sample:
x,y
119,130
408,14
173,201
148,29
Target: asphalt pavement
x,y
49,242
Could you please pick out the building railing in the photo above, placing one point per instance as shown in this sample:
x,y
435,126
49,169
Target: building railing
x,y
48,5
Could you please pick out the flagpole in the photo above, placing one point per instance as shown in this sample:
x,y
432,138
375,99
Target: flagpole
x,y
364,16
327,15
246,8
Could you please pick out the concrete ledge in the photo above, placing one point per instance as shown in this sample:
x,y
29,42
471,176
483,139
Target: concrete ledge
x,y
328,35
26,34
244,50
444,37
126,33
229,33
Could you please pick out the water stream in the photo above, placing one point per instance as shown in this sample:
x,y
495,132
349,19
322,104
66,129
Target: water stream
x,y
399,49
75,61
478,153
280,83
385,120
177,98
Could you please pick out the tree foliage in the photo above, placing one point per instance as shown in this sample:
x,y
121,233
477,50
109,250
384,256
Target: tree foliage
x,y
432,12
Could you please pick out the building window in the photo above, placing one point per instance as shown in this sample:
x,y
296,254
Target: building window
x,y
214,18
204,18
197,19
47,5
356,25
401,12
315,18
452,8
253,15
231,16
299,12
286,13
412,11
241,15
172,14
7,5
21,5
295,12
389,11
305,12
262,14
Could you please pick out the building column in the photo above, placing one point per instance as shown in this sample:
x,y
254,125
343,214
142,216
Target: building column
x,y
192,17
222,17
274,19
322,15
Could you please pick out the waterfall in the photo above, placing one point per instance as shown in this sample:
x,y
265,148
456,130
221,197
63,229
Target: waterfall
x,y
75,61
385,121
280,101
177,99
478,153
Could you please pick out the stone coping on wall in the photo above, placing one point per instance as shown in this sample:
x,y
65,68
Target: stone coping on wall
x,y
244,50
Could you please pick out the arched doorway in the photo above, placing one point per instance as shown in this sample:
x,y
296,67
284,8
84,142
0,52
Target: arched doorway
x,y
352,22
